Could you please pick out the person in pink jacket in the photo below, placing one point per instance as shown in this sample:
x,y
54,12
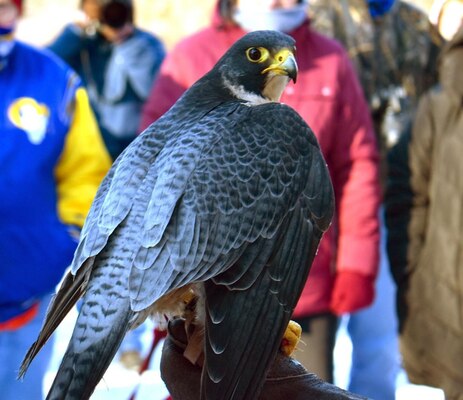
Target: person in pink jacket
x,y
328,96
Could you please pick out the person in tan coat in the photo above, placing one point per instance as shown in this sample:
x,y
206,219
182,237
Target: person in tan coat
x,y
424,214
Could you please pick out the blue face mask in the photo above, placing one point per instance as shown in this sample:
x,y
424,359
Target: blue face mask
x,y
6,30
280,19
379,7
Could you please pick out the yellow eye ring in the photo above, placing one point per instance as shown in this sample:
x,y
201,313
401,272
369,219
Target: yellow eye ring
x,y
257,54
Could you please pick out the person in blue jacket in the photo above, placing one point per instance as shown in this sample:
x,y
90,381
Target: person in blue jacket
x,y
52,160
117,62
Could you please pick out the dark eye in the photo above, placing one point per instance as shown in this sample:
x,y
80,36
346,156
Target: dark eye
x,y
254,54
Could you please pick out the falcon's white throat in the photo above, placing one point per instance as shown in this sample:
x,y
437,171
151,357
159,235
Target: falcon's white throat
x,y
274,87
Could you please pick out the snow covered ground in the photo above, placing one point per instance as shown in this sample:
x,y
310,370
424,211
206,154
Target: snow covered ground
x,y
120,383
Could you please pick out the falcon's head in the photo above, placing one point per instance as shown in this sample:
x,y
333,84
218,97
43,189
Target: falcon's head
x,y
258,67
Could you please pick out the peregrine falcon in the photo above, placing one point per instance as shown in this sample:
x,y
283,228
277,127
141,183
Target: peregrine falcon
x,y
224,199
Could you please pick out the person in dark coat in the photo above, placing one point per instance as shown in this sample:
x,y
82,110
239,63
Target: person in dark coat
x,y
424,215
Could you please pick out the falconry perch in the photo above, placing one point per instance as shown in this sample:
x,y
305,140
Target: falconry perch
x,y
224,198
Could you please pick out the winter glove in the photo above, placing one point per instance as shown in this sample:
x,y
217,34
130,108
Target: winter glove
x,y
352,291
286,379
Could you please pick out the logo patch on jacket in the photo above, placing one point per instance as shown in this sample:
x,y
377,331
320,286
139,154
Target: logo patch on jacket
x,y
30,116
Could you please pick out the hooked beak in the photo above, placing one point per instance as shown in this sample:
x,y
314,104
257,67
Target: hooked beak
x,y
284,63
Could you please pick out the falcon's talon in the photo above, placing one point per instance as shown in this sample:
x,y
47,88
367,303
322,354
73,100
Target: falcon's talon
x,y
290,338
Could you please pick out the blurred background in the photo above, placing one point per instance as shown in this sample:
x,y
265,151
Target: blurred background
x,y
170,20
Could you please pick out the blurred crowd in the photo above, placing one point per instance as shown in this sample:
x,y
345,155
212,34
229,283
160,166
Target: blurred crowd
x,y
381,85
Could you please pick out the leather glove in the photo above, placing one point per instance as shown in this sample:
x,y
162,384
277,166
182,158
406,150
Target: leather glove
x,y
287,378
352,291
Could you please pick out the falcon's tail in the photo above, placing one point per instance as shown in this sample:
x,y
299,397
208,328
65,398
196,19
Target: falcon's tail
x,y
90,351
104,318
69,292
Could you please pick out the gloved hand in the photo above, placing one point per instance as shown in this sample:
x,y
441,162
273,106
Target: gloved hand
x,y
286,379
352,291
